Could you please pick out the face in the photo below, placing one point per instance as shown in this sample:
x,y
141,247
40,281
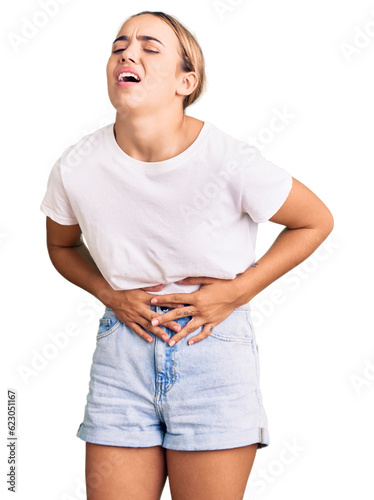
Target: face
x,y
149,47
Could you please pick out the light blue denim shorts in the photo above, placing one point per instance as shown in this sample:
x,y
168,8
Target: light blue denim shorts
x,y
200,397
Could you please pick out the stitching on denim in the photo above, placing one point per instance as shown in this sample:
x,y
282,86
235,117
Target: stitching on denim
x,y
254,347
171,380
157,403
158,385
240,340
235,340
109,332
249,322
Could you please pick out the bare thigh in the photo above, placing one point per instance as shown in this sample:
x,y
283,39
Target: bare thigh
x,y
122,473
211,474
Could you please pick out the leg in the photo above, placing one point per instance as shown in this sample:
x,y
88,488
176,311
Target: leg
x,y
123,473
210,474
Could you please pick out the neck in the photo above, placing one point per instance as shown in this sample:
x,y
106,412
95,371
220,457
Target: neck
x,y
151,138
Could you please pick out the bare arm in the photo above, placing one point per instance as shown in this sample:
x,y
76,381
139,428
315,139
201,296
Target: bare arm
x,y
308,222
73,261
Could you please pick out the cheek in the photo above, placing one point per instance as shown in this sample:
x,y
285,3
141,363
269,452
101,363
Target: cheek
x,y
111,64
159,74
160,81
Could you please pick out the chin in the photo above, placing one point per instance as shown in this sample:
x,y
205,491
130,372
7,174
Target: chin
x,y
123,103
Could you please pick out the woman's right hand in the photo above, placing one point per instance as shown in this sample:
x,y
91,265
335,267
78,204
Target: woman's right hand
x,y
72,259
132,307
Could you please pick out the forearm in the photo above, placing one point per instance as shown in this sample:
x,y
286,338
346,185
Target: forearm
x,y
291,247
77,266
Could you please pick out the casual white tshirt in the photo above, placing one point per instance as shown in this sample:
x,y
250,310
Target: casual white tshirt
x,y
147,223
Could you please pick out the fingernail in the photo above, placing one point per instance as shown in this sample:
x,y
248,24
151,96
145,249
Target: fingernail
x,y
155,322
171,343
191,342
153,301
165,337
176,328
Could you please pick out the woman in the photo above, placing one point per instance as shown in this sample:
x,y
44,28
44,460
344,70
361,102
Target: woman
x,y
161,196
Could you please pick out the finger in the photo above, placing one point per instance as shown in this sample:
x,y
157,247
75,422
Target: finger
x,y
174,314
205,332
139,331
191,326
173,298
174,306
159,332
145,322
173,325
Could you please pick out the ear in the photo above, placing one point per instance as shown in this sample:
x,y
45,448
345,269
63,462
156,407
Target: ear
x,y
187,84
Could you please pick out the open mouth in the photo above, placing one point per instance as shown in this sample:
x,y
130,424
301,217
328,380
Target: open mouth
x,y
128,77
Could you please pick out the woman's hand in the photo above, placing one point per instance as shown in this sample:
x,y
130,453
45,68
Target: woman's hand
x,y
133,309
210,305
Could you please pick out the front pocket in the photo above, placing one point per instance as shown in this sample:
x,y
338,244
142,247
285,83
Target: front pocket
x,y
237,327
108,324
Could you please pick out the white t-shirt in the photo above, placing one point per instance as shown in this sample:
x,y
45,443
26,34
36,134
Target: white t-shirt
x,y
146,223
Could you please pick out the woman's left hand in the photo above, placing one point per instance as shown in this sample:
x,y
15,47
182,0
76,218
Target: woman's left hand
x,y
212,303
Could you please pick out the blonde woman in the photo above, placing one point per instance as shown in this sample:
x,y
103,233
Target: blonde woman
x,y
160,196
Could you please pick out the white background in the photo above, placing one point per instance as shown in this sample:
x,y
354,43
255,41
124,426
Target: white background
x,y
310,60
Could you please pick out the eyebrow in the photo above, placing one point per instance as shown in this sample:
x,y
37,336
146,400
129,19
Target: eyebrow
x,y
142,37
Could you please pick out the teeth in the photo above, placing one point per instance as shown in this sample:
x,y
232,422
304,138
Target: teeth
x,y
122,76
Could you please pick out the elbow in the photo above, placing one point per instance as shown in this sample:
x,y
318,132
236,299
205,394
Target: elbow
x,y
326,224
329,222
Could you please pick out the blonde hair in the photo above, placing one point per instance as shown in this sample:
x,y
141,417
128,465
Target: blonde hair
x,y
192,58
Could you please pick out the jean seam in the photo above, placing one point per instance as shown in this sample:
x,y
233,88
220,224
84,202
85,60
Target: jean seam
x,y
254,348
237,340
250,322
109,332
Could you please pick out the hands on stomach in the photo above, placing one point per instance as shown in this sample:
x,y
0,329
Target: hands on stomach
x,y
132,307
208,306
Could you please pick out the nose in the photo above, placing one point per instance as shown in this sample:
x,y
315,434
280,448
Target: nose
x,y
130,52
129,58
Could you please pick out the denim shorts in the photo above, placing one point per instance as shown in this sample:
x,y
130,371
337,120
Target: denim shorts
x,y
200,397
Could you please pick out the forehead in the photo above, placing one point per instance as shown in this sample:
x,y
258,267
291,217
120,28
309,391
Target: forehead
x,y
149,25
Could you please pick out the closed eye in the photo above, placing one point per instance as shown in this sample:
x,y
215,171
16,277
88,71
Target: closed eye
x,y
121,50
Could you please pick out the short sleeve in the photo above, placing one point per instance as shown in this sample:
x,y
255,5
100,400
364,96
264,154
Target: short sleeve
x,y
265,187
55,203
